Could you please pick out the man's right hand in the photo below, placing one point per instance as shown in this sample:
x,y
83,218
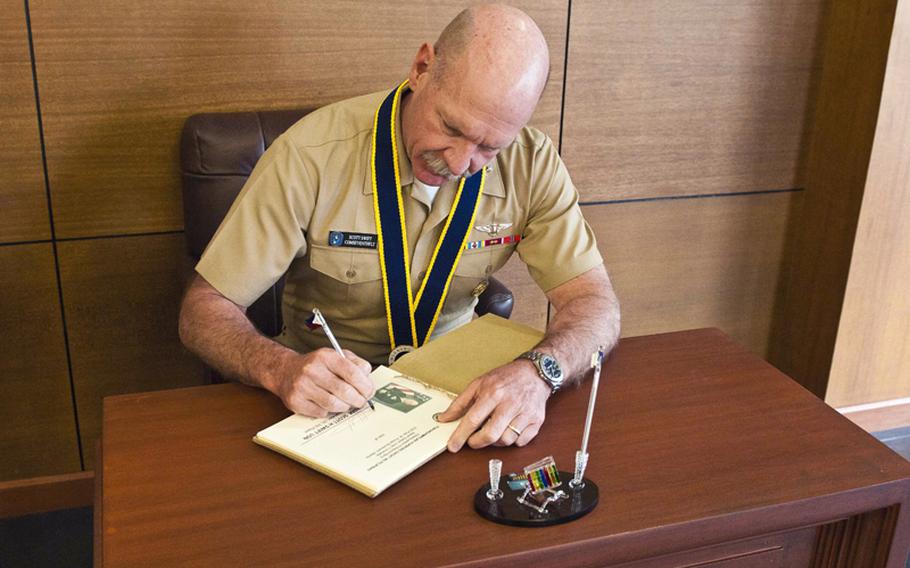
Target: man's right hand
x,y
322,382
313,384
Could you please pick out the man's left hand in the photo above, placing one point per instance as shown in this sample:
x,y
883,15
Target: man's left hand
x,y
512,395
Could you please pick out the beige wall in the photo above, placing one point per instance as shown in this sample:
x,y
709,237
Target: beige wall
x,y
684,124
872,355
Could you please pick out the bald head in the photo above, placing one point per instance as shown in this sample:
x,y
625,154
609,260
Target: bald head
x,y
471,93
493,44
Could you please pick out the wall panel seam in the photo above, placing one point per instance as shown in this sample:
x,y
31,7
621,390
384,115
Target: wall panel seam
x,y
119,236
562,107
22,243
692,196
565,76
53,241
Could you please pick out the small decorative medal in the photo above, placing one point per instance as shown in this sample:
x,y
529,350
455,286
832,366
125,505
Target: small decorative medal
x,y
398,352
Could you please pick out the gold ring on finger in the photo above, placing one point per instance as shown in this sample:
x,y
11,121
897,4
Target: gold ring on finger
x,y
514,429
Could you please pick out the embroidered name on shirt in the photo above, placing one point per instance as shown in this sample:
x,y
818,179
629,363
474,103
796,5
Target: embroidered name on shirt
x,y
355,240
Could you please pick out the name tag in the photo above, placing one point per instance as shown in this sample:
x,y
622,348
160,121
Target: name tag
x,y
356,240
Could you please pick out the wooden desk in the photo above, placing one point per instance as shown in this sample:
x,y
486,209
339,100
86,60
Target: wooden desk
x,y
704,454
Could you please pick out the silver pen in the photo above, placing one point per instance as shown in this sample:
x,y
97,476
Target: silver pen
x,y
318,317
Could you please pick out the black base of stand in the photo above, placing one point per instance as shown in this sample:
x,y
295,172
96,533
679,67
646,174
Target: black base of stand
x,y
508,511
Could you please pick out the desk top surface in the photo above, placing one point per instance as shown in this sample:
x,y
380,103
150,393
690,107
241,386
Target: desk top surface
x,y
695,441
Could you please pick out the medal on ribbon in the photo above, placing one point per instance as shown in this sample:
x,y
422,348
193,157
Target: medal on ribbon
x,y
412,318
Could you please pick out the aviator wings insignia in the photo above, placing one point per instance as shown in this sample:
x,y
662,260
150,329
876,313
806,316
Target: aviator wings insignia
x,y
493,229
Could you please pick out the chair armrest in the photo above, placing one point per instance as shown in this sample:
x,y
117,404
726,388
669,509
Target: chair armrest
x,y
497,299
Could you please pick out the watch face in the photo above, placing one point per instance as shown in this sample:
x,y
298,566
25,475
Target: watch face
x,y
551,367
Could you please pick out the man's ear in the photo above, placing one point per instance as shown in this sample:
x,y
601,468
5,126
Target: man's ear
x,y
421,67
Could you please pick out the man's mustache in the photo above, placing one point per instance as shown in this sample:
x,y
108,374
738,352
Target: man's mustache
x,y
437,165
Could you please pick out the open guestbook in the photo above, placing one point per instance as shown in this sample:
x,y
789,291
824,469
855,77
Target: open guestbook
x,y
372,449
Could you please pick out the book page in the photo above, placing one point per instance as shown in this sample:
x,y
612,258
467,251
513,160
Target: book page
x,y
367,449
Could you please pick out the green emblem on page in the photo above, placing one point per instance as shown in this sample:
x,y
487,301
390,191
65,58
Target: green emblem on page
x,y
400,398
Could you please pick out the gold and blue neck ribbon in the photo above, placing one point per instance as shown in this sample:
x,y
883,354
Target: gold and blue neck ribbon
x,y
412,319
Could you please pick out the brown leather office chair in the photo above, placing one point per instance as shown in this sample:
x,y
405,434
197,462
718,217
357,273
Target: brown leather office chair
x,y
217,155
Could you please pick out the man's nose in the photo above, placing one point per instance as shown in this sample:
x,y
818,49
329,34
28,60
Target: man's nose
x,y
458,157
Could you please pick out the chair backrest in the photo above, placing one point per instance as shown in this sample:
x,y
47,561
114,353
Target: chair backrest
x,y
217,154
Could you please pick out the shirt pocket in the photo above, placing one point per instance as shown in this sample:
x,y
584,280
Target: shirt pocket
x,y
474,268
349,281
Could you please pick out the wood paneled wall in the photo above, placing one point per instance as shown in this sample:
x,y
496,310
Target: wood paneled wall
x,y
682,264
872,354
684,125
121,318
23,203
668,98
36,411
683,128
38,434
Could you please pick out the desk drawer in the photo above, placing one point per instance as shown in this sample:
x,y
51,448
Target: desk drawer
x,y
784,550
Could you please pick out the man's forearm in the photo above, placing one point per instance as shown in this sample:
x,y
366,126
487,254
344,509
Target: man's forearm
x,y
586,318
218,331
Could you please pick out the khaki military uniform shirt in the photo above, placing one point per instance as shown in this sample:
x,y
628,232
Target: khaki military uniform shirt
x,y
315,178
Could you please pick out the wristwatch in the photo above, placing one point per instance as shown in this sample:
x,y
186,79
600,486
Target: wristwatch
x,y
547,368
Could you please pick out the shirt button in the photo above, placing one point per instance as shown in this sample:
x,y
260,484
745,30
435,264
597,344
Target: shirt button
x,y
422,275
488,270
351,273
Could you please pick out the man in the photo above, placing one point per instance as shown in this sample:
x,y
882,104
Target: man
x,y
389,212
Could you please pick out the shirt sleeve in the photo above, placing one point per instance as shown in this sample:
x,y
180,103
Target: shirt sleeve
x,y
557,244
264,229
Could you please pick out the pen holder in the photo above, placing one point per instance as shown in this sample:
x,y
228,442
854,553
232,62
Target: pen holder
x,y
508,510
494,492
581,462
